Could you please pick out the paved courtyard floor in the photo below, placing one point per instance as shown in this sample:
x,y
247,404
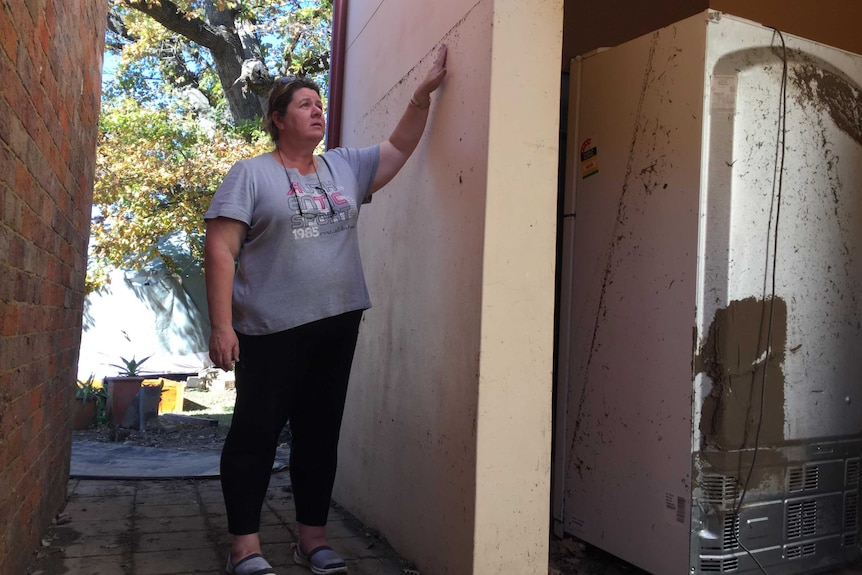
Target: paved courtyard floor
x,y
151,526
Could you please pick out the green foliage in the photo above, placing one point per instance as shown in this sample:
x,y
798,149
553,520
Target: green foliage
x,y
306,47
89,391
155,174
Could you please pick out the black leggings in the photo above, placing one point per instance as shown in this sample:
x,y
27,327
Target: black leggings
x,y
298,375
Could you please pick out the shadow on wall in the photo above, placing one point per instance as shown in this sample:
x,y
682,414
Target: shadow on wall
x,y
140,314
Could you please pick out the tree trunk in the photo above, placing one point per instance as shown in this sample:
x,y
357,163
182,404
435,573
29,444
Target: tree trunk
x,y
218,34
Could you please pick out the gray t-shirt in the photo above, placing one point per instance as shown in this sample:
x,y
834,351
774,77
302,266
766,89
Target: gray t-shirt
x,y
300,260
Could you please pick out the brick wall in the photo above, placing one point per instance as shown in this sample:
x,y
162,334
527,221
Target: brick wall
x,y
50,65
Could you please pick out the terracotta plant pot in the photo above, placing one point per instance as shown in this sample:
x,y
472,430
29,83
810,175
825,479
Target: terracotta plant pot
x,y
121,393
83,414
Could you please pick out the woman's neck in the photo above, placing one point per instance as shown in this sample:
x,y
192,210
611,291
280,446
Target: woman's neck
x,y
291,158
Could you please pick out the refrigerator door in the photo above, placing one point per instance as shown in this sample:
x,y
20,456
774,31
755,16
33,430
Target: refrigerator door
x,y
626,405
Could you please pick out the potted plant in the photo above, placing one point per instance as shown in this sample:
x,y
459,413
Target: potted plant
x,y
92,405
123,387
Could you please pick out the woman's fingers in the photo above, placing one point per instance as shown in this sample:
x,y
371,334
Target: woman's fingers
x,y
437,72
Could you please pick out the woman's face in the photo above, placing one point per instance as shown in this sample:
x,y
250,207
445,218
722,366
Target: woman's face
x,y
303,119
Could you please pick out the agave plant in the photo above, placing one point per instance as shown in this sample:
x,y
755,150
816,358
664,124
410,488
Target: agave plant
x,y
130,367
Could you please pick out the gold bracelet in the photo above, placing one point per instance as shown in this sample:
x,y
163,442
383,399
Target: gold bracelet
x,y
414,102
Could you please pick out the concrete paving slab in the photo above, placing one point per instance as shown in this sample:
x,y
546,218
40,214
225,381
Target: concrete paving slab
x,y
170,524
168,511
99,460
93,459
177,561
101,565
100,509
148,542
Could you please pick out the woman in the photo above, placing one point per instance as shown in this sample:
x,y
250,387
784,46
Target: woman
x,y
286,294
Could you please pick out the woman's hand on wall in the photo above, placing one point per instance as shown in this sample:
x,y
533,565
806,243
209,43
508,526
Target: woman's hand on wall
x,y
395,151
432,81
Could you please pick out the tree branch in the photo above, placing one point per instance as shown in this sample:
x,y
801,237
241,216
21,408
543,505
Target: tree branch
x,y
171,17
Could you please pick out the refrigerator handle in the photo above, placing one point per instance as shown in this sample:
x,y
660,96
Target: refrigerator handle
x,y
574,134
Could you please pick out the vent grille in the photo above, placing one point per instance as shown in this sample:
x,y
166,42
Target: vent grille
x,y
725,565
730,533
803,478
801,519
721,489
852,475
851,510
800,551
848,540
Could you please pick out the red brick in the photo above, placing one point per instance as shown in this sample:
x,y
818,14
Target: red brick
x,y
50,16
10,320
8,216
15,253
8,37
7,172
27,225
49,84
24,65
23,183
37,99
38,417
44,34
12,92
17,136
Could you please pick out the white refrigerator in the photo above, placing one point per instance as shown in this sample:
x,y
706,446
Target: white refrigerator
x,y
709,392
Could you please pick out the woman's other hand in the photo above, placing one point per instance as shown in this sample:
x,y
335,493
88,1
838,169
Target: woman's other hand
x,y
224,348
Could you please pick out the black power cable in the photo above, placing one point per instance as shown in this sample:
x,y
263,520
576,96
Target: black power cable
x,y
777,186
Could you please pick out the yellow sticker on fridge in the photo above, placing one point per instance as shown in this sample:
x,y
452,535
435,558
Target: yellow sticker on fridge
x,y
589,159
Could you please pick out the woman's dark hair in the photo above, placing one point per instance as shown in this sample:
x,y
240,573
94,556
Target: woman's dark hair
x,y
280,97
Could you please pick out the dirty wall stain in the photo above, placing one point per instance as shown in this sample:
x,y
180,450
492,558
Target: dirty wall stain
x,y
734,356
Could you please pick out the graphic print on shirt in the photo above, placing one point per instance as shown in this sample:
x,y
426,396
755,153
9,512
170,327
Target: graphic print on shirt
x,y
317,209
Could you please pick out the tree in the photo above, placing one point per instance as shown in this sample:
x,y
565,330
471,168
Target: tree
x,y
155,173
229,49
183,106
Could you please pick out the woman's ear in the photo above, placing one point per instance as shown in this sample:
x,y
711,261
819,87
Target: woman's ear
x,y
278,120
